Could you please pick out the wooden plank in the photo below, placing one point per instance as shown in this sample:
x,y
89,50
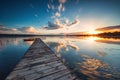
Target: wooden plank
x,y
40,63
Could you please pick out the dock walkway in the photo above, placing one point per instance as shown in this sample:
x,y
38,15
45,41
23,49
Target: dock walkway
x,y
40,63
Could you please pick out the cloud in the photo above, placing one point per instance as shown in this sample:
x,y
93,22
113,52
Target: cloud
x,y
36,15
53,7
56,9
76,22
63,9
4,30
66,21
62,1
30,30
22,30
48,6
110,28
60,7
57,14
57,24
54,25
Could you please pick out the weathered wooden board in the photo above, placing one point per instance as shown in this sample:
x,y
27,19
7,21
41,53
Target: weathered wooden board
x,y
40,63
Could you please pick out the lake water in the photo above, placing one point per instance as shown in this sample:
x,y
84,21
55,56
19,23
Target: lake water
x,y
90,58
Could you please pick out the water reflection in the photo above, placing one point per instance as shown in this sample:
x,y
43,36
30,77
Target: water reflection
x,y
97,62
91,68
60,45
90,58
101,54
29,42
5,41
109,40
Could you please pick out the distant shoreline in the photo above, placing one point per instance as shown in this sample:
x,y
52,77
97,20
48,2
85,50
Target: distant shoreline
x,y
104,35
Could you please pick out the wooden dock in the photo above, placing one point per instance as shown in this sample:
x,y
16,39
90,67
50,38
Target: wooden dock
x,y
40,63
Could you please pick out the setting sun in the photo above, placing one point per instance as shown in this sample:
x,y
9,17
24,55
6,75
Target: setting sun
x,y
92,31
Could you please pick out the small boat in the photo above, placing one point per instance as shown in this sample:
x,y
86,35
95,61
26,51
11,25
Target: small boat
x,y
31,39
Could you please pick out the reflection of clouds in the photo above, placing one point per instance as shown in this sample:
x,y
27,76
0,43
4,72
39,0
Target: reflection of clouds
x,y
90,67
65,46
59,46
5,41
58,55
29,42
101,54
61,43
74,46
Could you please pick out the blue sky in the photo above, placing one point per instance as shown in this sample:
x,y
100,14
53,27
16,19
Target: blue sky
x,y
55,14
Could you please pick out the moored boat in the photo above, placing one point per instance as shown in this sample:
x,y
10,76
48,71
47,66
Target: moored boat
x,y
31,39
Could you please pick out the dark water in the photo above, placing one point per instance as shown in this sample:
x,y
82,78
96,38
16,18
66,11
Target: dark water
x,y
90,58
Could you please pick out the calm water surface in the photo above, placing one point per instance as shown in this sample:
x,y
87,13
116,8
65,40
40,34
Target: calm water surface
x,y
90,58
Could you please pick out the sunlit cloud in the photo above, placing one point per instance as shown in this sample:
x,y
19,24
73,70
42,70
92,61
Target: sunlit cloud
x,y
57,24
90,19
76,22
66,21
57,27
21,30
54,25
57,14
30,29
109,29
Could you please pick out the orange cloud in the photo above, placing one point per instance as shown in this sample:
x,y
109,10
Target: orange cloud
x,y
109,29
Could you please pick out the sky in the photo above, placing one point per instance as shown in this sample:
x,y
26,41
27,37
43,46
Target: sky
x,y
57,16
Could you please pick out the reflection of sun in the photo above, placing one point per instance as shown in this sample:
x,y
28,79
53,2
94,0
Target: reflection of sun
x,y
92,39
